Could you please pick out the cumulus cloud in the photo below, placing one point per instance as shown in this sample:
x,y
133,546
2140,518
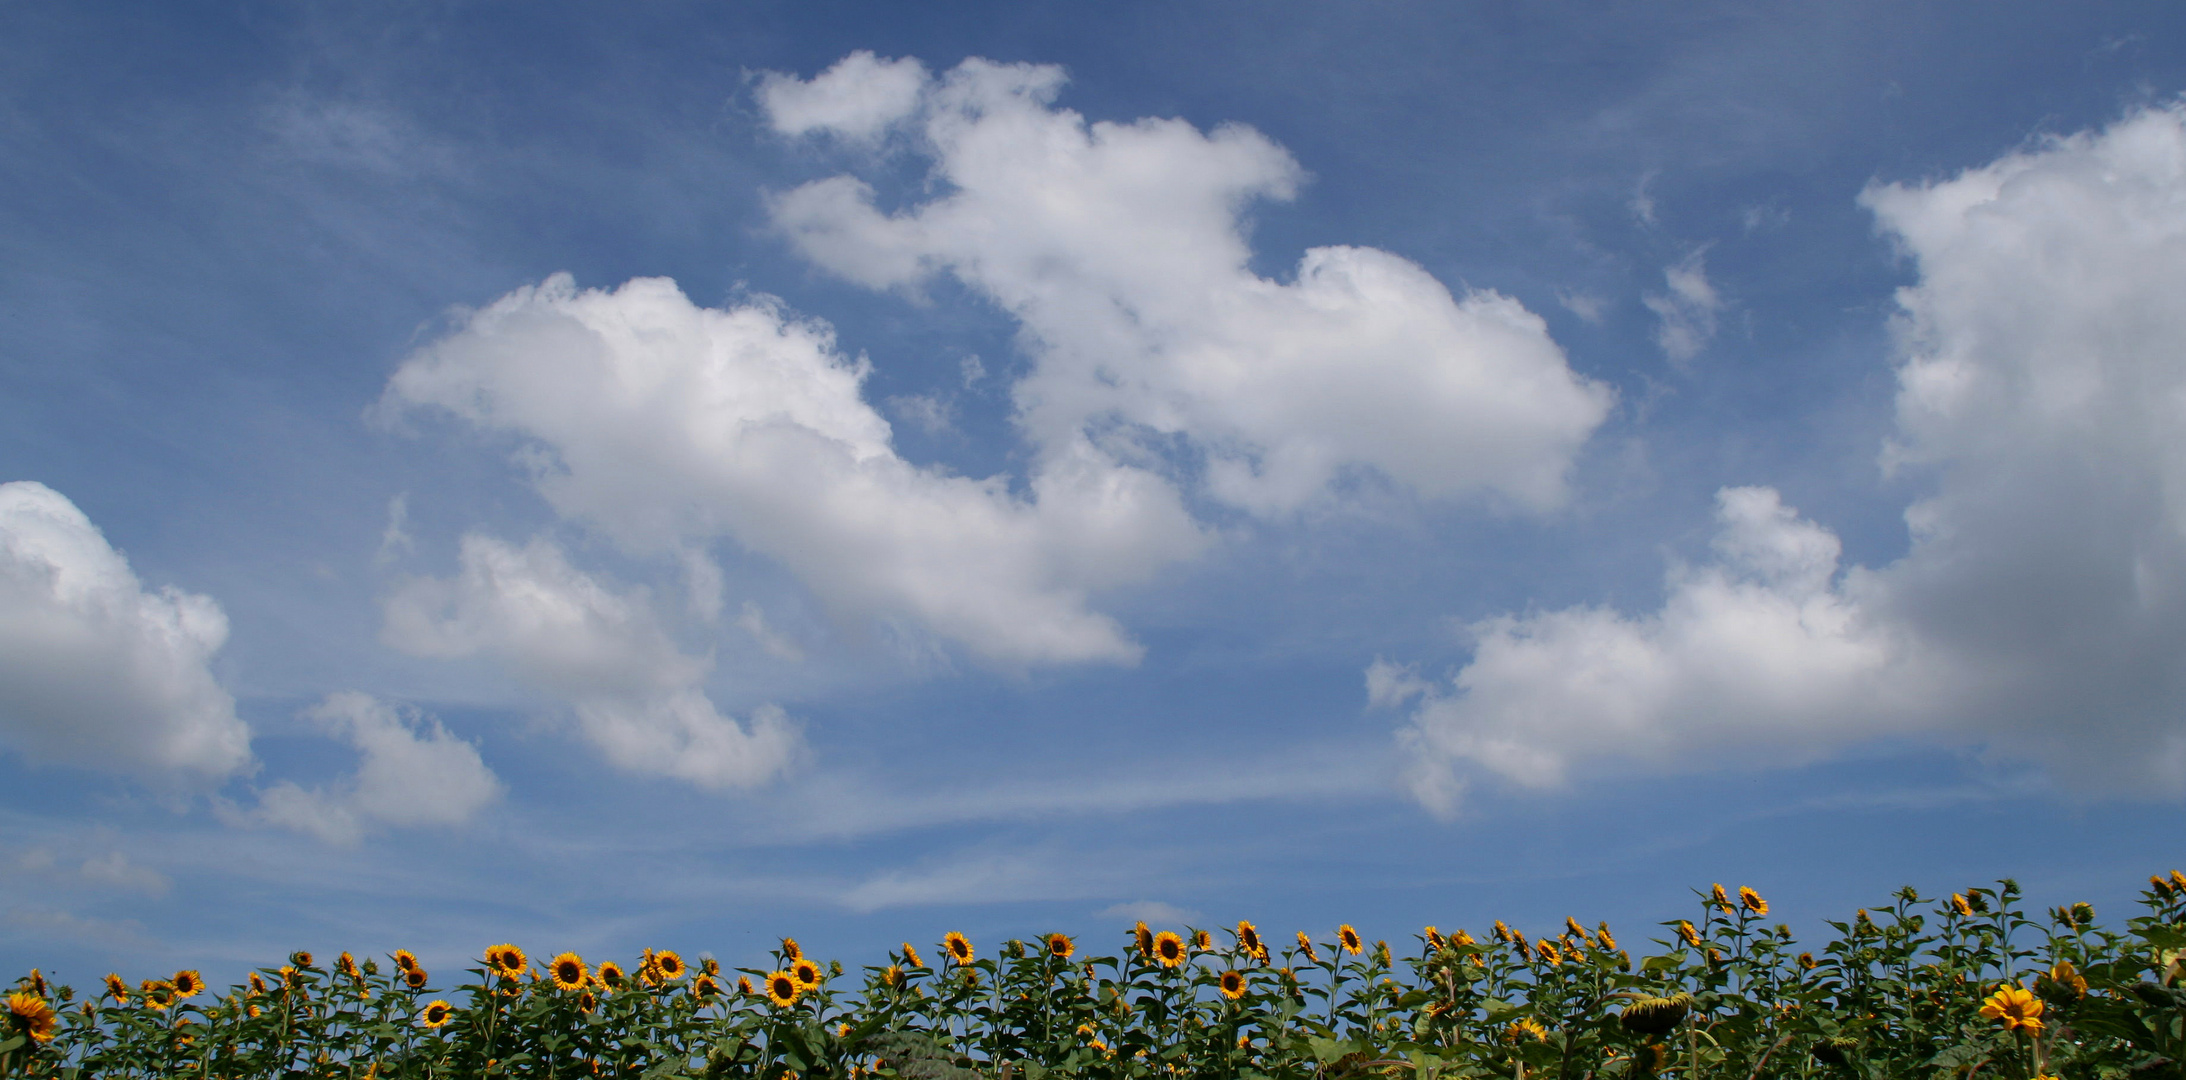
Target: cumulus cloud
x,y
94,669
1686,311
635,695
858,98
1122,251
411,773
664,424
2041,610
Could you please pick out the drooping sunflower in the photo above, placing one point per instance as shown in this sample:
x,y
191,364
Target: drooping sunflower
x,y
1462,938
1751,901
957,946
436,1013
1959,904
790,949
188,984
414,977
1608,941
2016,1007
1060,946
1248,940
1349,939
1233,985
569,972
1305,945
32,1015
1502,932
911,956
1433,938
117,989
783,989
506,961
891,976
1721,899
1144,938
610,975
1525,1028
669,965
1685,930
806,973
1168,949
705,989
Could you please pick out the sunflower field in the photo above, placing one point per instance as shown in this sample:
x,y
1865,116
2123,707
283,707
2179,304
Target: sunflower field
x,y
1964,986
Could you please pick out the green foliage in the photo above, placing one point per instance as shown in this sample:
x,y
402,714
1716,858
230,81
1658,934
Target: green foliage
x,y
1964,986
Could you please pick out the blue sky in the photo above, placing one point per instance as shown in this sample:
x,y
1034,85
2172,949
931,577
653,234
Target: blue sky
x,y
687,474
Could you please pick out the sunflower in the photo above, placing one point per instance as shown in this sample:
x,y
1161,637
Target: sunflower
x,y
37,983
301,958
783,989
1144,939
790,949
1806,961
1248,939
1685,930
1233,985
257,985
1526,1028
668,964
414,977
1202,940
891,976
1548,951
2178,880
1721,899
569,972
117,989
806,973
253,1011
707,965
1502,932
957,946
911,957
2064,974
291,977
705,989
744,986
1168,949
32,1015
1433,938
1060,946
1348,938
2016,1008
1751,901
436,1013
1608,941
188,984
587,1001
610,974
1959,904
347,965
157,994
405,959
1305,945
1462,938
506,961
1651,1016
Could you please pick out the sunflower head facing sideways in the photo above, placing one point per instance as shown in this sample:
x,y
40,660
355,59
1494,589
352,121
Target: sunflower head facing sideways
x,y
1349,939
1144,938
1060,946
1168,949
569,972
791,950
1248,940
404,959
1305,945
117,989
506,961
911,956
957,946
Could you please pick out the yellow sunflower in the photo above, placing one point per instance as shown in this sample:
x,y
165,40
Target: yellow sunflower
x,y
1462,938
891,976
1168,948
157,995
783,989
1959,904
1433,938
37,983
1685,930
1144,938
610,974
1751,901
1548,951
2016,1007
744,986
32,1015
587,1001
707,965
414,977
1721,899
1202,940
1248,939
436,1013
705,989
569,972
1608,942
257,985
188,984
1526,1028
1060,946
806,973
790,949
347,965
957,946
506,961
1233,985
1349,939
1305,945
117,989
405,959
668,964
911,957
301,958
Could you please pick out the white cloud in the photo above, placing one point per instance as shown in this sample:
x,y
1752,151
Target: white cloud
x,y
94,670
395,539
1121,249
113,870
663,424
1152,912
634,693
858,98
1687,311
2041,611
411,773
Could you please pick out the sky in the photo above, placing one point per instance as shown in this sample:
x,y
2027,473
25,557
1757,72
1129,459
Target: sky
x,y
682,474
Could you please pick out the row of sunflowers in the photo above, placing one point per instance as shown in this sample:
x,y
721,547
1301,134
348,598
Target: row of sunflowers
x,y
1962,986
